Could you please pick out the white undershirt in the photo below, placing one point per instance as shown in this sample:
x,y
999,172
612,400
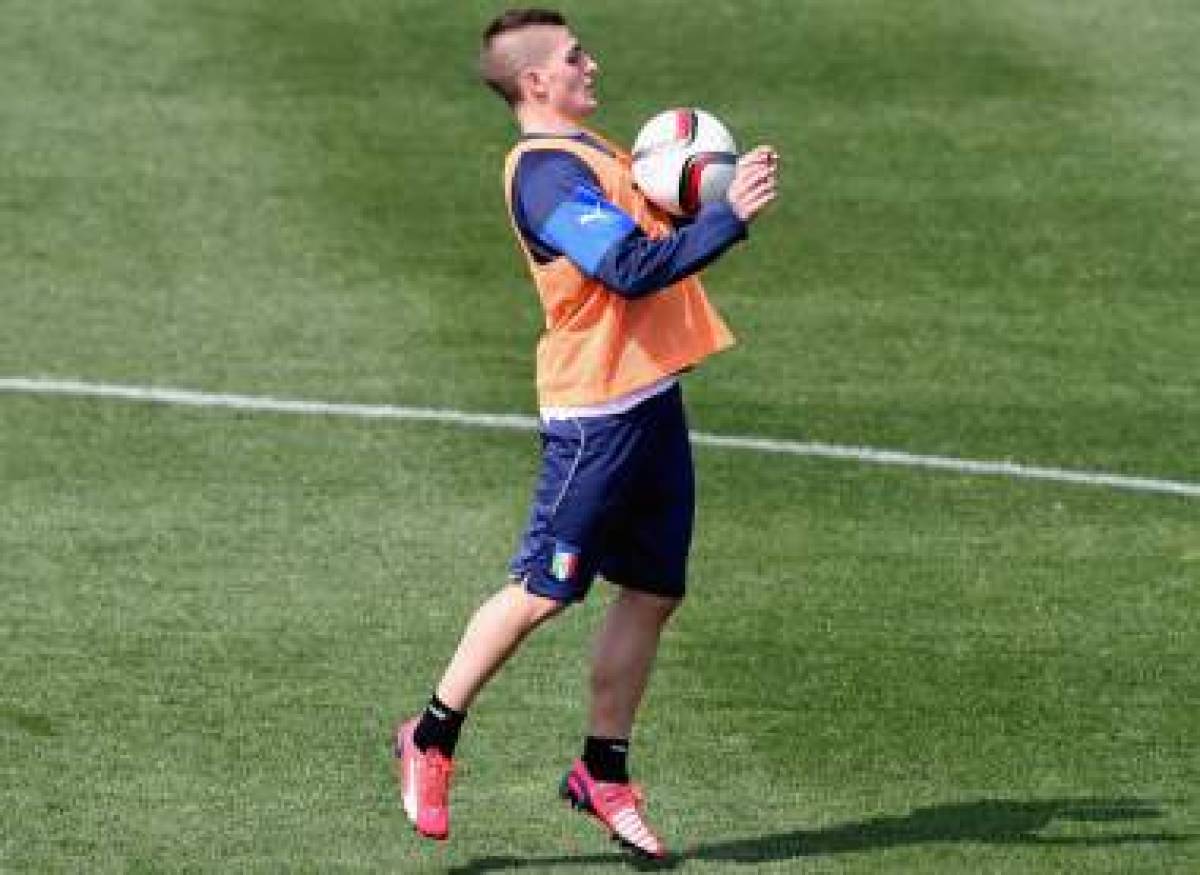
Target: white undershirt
x,y
615,405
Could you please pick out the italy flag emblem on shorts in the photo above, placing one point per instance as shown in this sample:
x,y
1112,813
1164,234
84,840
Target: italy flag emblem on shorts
x,y
565,561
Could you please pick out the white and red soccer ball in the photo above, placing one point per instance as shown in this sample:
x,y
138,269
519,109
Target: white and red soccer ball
x,y
684,159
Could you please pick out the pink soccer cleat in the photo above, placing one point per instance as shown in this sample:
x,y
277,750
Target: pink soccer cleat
x,y
617,806
424,781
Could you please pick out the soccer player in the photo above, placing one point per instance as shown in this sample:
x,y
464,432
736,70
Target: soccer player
x,y
625,316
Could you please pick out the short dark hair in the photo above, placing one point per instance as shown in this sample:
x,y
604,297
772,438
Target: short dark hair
x,y
499,76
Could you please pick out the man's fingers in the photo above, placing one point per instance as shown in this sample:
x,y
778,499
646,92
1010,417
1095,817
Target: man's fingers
x,y
754,178
755,172
754,183
760,155
751,201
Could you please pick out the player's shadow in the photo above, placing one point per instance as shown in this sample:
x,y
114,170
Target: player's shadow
x,y
988,821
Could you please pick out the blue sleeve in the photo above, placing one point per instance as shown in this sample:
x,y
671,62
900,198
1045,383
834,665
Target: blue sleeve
x,y
560,211
639,266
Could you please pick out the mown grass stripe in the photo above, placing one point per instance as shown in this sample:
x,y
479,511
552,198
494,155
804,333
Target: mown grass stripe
x,y
745,443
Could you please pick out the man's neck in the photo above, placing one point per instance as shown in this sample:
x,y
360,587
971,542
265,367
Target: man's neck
x,y
539,120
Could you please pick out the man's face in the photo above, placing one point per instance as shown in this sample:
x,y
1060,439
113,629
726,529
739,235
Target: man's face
x,y
567,76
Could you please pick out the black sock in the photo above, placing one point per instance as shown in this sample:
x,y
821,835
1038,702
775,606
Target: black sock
x,y
606,759
438,727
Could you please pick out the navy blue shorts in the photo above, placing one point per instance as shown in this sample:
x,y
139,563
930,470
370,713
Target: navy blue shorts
x,y
615,496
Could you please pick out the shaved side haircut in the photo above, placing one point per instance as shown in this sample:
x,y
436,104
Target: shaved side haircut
x,y
504,55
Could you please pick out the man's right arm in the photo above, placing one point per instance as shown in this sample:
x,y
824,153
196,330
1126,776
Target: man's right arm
x,y
639,265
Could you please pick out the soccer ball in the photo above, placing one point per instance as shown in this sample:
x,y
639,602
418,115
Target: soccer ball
x,y
684,159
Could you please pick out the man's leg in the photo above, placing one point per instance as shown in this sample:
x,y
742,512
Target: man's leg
x,y
622,659
424,745
648,540
493,635
650,546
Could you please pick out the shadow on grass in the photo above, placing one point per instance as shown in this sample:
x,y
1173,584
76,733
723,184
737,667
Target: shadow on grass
x,y
989,821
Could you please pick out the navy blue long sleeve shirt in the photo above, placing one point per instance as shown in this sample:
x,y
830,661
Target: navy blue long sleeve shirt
x,y
559,209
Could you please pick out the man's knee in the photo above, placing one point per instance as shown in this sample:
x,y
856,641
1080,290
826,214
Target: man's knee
x,y
658,608
535,609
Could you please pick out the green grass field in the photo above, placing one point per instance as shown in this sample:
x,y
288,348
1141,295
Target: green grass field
x,y
986,248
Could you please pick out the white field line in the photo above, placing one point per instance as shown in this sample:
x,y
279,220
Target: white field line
x,y
266,404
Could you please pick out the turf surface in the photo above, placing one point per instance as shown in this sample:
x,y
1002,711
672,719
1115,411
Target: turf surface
x,y
985,248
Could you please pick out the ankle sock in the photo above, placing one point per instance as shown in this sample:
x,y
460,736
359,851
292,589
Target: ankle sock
x,y
438,727
607,759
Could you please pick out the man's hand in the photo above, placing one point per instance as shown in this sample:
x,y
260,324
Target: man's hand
x,y
753,186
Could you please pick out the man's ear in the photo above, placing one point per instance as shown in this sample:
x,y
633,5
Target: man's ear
x,y
531,82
